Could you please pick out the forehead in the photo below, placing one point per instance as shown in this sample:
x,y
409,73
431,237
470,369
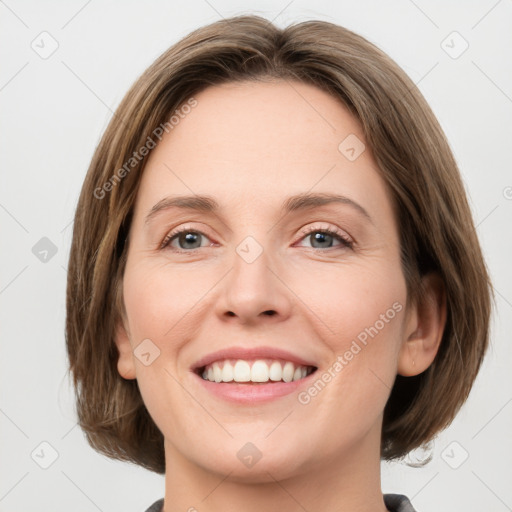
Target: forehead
x,y
256,143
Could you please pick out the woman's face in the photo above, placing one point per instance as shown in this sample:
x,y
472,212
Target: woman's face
x,y
258,278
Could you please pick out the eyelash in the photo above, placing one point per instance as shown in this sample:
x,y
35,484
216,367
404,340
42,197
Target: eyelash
x,y
345,241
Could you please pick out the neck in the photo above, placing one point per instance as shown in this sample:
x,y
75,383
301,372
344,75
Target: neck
x,y
347,482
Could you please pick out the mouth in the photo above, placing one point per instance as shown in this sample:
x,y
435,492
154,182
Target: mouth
x,y
251,375
254,371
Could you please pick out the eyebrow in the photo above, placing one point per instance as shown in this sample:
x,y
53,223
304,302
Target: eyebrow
x,y
207,204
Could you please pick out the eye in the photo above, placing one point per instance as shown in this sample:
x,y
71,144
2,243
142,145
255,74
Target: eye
x,y
325,238
187,239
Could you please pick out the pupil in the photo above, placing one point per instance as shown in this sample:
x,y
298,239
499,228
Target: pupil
x,y
190,238
321,238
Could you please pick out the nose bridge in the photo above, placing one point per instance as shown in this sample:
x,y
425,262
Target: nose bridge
x,y
252,288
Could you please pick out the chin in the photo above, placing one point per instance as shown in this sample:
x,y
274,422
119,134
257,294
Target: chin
x,y
268,469
257,461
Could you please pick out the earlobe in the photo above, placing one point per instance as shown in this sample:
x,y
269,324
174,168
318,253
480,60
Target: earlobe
x,y
125,363
425,328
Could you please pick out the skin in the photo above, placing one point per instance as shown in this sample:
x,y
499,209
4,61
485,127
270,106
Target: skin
x,y
250,146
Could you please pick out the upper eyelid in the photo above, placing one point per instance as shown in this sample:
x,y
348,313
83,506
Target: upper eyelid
x,y
308,226
337,232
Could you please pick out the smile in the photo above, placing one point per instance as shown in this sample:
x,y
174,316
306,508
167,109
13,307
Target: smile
x,y
256,371
256,374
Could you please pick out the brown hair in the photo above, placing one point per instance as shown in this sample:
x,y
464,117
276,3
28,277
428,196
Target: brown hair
x,y
434,220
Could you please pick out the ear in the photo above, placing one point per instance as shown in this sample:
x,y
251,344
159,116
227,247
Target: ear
x,y
125,363
424,328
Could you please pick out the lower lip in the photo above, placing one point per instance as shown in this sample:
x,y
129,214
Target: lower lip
x,y
248,393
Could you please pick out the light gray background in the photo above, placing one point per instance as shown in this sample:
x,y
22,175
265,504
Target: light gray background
x,y
54,111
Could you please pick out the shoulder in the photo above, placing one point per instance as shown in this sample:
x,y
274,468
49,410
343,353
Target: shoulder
x,y
393,502
157,506
398,503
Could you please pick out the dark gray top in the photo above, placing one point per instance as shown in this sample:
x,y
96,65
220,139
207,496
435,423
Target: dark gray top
x,y
393,502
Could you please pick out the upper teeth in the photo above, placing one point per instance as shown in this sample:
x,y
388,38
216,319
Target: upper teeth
x,y
259,370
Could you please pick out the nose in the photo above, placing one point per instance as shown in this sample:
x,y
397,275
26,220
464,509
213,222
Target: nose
x,y
254,292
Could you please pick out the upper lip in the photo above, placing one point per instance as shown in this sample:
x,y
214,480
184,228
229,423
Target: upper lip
x,y
251,353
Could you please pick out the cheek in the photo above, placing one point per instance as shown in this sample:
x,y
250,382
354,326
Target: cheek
x,y
350,300
359,314
158,299
162,305
157,302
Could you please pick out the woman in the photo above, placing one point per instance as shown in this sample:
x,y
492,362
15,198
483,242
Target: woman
x,y
274,275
